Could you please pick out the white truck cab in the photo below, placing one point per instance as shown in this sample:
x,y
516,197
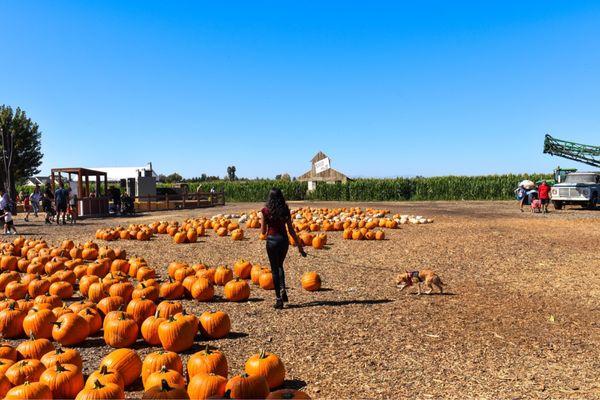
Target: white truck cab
x,y
580,188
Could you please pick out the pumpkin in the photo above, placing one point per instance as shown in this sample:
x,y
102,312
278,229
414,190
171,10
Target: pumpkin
x,y
288,394
5,364
149,329
237,290
202,290
173,378
242,268
357,235
214,324
64,380
207,361
171,290
182,273
144,273
180,237
93,318
140,309
223,275
54,301
39,323
101,391
111,303
30,391
156,360
203,386
122,289
70,329
265,280
121,332
177,334
255,274
104,376
311,281
318,242
81,305
62,356
187,283
165,391
85,282
237,234
208,273
168,308
16,290
34,348
268,365
5,385
8,352
191,236
11,321
245,386
28,370
126,362
379,235
222,231
145,291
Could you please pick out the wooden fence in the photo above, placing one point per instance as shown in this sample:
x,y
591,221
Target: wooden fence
x,y
179,201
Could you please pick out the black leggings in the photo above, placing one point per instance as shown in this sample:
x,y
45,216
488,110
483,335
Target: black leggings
x,y
277,247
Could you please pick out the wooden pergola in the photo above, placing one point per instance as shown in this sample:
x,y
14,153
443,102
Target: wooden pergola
x,y
89,203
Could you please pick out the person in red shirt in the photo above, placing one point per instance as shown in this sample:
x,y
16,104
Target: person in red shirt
x,y
544,195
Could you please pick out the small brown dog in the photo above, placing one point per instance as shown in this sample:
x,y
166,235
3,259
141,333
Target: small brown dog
x,y
426,276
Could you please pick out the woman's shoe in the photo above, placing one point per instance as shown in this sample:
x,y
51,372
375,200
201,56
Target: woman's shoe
x,y
284,297
278,304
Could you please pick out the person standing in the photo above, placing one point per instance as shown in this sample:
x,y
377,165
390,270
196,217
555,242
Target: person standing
x,y
61,201
521,194
47,200
9,225
35,199
275,219
544,195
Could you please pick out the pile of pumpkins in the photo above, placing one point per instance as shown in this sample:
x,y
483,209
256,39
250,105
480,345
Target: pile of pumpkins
x,y
121,297
36,370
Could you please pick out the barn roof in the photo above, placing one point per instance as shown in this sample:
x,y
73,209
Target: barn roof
x,y
329,175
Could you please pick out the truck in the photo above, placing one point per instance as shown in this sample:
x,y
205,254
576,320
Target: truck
x,y
574,187
578,188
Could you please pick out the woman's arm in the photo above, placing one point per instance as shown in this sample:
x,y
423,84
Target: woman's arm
x,y
263,224
294,236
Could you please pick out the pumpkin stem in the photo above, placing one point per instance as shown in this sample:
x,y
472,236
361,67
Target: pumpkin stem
x,y
164,369
103,370
227,394
263,354
59,351
207,349
59,367
31,335
98,385
164,386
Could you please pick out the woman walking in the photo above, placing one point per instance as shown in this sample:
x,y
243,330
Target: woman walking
x,y
275,219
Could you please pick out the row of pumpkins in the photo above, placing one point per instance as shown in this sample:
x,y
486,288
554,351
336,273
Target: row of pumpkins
x,y
36,370
305,221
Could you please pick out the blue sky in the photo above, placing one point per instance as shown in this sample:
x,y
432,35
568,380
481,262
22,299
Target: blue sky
x,y
384,88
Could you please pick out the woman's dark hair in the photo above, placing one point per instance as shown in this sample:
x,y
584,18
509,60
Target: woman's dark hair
x,y
278,208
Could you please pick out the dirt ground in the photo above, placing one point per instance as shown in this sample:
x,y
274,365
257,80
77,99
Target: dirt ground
x,y
521,318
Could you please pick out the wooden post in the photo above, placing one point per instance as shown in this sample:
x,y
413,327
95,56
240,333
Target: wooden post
x,y
167,199
183,200
149,204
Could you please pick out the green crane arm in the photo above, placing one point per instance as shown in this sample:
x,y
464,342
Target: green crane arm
x,y
583,153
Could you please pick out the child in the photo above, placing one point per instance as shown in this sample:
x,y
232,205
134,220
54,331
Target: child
x,y
72,209
9,225
26,205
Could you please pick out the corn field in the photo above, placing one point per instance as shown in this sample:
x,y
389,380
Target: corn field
x,y
490,187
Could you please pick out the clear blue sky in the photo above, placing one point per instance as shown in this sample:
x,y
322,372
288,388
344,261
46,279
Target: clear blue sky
x,y
384,88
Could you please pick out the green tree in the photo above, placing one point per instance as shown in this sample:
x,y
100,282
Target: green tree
x,y
20,148
231,173
174,177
